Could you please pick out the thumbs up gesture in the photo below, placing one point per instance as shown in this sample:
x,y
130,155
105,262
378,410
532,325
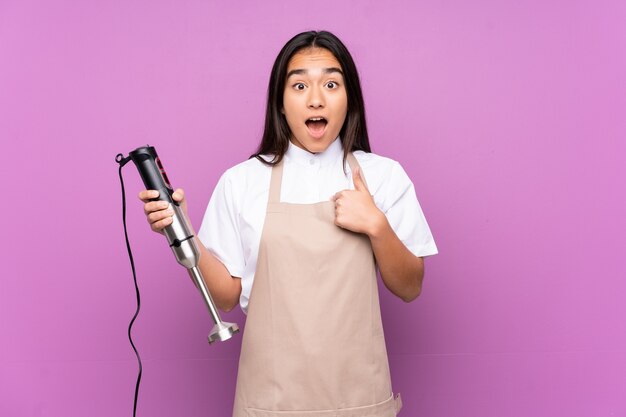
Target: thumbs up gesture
x,y
355,210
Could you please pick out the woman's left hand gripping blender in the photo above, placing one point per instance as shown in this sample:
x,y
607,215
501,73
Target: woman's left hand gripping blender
x,y
180,235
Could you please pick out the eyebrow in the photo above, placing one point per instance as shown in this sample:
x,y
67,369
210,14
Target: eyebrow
x,y
324,71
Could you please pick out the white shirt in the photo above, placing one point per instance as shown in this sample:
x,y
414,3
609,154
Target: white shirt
x,y
233,222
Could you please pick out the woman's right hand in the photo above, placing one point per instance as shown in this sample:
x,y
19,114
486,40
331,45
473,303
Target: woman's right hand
x,y
224,289
158,213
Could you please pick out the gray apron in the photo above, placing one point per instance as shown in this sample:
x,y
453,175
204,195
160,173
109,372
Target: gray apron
x,y
313,344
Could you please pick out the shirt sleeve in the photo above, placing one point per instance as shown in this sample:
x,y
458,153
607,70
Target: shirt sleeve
x,y
405,214
219,231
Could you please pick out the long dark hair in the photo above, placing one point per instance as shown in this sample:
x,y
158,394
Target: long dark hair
x,y
276,135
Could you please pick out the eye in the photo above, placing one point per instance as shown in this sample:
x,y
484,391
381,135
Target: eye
x,y
299,86
331,85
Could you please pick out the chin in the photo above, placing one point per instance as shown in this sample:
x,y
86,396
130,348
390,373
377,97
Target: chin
x,y
317,147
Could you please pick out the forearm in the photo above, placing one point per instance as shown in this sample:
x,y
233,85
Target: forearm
x,y
225,289
401,271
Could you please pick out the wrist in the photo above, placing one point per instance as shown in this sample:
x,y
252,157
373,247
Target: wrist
x,y
378,226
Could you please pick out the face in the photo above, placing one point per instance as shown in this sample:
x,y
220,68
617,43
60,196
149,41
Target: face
x,y
315,102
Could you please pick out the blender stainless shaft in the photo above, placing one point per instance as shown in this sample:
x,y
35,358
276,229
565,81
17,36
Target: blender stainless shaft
x,y
188,255
222,330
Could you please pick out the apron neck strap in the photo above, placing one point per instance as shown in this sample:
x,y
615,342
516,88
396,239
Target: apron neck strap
x,y
354,164
276,182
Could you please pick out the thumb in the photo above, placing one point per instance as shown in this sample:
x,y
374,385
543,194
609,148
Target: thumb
x,y
357,179
178,195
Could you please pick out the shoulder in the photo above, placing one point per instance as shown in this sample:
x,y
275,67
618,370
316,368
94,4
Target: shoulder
x,y
245,172
241,184
380,169
374,160
385,177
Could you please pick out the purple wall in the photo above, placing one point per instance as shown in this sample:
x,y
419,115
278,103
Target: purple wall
x,y
509,116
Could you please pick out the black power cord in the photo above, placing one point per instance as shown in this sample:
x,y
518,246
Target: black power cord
x,y
122,161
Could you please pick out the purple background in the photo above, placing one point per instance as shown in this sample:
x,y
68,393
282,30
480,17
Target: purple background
x,y
509,117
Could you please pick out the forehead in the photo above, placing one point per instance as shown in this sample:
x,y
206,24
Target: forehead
x,y
312,59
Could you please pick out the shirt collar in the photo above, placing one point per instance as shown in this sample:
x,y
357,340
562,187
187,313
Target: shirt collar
x,y
328,157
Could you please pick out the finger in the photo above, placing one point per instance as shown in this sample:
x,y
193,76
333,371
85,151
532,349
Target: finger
x,y
160,215
147,195
359,182
339,194
161,224
153,206
179,195
338,219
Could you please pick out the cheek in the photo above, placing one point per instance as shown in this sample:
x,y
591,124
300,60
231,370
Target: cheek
x,y
342,110
292,121
290,106
342,105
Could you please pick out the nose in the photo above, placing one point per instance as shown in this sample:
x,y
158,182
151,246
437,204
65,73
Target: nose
x,y
315,99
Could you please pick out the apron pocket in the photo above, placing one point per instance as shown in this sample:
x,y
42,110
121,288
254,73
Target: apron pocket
x,y
388,408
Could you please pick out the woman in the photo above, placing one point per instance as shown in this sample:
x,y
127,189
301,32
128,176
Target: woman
x,y
300,221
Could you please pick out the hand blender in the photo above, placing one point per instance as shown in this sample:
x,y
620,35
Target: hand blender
x,y
179,234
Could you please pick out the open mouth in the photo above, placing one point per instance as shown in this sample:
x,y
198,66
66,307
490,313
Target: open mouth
x,y
316,126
